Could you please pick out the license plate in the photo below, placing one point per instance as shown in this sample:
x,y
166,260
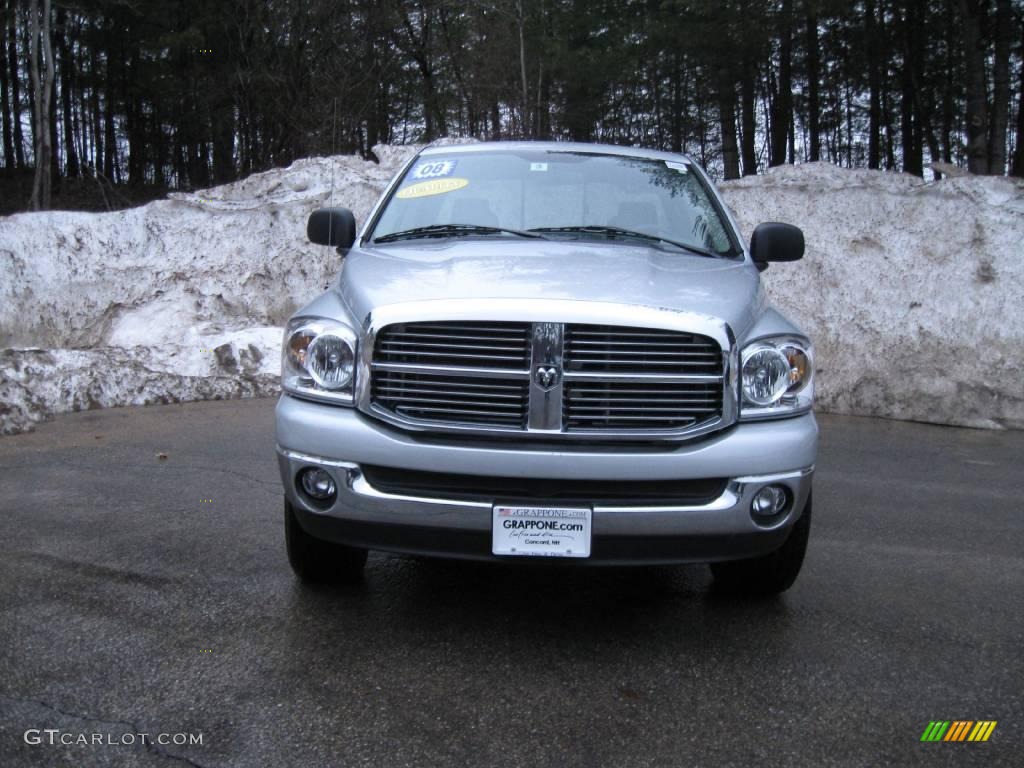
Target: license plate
x,y
541,531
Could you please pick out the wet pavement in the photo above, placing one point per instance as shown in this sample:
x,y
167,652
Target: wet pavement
x,y
149,595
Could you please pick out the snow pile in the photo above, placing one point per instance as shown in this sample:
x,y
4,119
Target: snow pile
x,y
912,292
181,299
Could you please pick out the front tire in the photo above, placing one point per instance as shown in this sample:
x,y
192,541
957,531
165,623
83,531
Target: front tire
x,y
316,561
772,573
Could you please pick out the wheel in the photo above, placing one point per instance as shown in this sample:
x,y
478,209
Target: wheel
x,y
771,573
316,561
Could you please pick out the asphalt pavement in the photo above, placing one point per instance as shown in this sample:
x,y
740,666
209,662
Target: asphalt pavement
x,y
144,589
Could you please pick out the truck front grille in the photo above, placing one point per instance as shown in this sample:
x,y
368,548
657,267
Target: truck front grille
x,y
546,379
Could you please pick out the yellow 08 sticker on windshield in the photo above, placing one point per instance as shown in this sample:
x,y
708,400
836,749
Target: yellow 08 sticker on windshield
x,y
431,187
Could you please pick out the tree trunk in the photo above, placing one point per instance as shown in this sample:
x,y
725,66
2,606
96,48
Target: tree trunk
x,y
42,83
457,75
12,62
113,58
521,23
55,148
748,117
224,144
727,114
96,114
495,121
66,71
890,132
782,106
874,87
134,125
543,130
813,75
676,122
8,136
949,86
1018,153
1001,89
977,96
910,117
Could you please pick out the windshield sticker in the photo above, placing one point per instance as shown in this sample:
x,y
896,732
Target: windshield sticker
x,y
434,170
681,167
538,166
431,187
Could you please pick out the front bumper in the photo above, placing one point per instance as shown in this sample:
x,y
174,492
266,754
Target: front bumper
x,y
340,439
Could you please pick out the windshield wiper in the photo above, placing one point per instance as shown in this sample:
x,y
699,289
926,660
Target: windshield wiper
x,y
611,231
453,230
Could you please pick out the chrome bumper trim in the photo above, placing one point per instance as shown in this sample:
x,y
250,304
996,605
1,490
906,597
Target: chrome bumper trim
x,y
359,500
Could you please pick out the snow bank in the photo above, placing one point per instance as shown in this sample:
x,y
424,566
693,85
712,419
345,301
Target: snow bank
x,y
912,291
181,299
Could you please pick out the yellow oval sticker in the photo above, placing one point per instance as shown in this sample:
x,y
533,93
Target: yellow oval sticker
x,y
431,187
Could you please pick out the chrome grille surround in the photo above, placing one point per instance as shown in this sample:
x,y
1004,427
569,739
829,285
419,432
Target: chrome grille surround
x,y
584,403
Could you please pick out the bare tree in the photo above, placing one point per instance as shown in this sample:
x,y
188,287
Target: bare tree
x,y
782,103
1018,154
971,13
42,87
727,113
1001,89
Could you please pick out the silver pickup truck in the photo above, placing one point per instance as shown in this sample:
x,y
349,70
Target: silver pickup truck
x,y
548,350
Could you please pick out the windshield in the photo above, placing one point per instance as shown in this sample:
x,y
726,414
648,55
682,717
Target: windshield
x,y
562,194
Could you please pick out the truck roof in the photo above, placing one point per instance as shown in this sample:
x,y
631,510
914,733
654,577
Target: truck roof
x,y
551,146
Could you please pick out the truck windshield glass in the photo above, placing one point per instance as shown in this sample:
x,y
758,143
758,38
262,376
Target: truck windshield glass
x,y
584,195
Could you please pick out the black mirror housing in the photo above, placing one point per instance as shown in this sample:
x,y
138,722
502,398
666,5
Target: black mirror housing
x,y
773,241
332,226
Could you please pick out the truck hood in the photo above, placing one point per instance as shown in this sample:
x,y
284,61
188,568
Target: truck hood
x,y
618,273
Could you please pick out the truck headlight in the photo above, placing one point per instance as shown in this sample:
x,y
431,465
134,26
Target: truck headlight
x,y
318,360
777,378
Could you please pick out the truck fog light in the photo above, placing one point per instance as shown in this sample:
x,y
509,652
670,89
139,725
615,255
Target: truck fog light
x,y
769,501
318,483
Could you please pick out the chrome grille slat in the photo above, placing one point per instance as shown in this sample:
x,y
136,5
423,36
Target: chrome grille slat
x,y
473,335
457,403
410,392
466,411
579,409
479,375
647,353
473,326
672,344
643,378
401,346
447,337
658,401
464,355
673,363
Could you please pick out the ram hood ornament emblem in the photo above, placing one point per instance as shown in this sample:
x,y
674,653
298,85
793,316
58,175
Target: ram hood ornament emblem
x,y
546,376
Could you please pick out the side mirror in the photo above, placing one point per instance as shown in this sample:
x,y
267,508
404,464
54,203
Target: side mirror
x,y
773,241
332,226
